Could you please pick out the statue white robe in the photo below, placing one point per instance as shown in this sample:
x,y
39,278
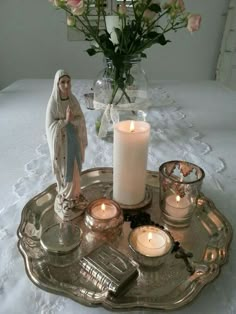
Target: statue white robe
x,y
67,143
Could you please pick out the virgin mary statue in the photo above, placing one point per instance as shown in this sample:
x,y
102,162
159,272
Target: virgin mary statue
x,y
67,139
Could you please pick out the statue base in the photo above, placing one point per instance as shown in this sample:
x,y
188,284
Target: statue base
x,y
68,210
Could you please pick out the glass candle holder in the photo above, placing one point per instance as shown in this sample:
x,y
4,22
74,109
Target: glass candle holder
x,y
103,214
180,184
150,245
61,243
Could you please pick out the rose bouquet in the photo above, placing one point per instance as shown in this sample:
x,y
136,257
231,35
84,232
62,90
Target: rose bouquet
x,y
135,26
140,24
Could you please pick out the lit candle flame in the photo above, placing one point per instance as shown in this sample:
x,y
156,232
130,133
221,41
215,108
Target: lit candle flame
x,y
177,198
131,127
149,236
103,207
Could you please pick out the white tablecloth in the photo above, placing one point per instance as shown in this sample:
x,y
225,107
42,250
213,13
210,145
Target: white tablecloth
x,y
194,121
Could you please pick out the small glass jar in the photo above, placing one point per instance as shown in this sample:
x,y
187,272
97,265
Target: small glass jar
x,y
61,243
180,183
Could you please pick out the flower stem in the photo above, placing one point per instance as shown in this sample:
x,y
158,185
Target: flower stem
x,y
115,89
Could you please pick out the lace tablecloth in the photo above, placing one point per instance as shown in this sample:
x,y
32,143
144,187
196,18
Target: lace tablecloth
x,y
172,137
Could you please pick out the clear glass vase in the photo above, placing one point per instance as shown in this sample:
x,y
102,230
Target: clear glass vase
x,y
121,93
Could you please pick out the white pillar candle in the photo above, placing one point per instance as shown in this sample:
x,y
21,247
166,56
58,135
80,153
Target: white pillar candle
x,y
112,22
153,243
177,206
104,211
130,161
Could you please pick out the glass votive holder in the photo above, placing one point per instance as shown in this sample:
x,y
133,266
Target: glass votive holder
x,y
180,183
61,242
150,246
103,214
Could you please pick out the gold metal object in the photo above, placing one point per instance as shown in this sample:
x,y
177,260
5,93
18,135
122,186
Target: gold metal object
x,y
208,238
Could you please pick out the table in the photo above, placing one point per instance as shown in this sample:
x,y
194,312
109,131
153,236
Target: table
x,y
203,108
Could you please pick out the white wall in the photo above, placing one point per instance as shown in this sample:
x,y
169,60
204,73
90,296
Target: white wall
x,y
33,44
226,67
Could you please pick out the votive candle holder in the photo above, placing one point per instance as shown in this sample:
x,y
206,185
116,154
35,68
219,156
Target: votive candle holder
x,y
180,184
150,245
103,214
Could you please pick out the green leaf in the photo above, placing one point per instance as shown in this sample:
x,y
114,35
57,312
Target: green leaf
x,y
155,8
91,51
143,55
151,35
106,44
161,40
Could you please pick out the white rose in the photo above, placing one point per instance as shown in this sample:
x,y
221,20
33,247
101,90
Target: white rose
x,y
70,21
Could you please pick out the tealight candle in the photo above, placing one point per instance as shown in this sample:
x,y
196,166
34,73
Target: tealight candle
x,y
104,211
177,206
103,214
150,245
130,161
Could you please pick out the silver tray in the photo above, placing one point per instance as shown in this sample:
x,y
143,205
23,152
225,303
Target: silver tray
x,y
171,287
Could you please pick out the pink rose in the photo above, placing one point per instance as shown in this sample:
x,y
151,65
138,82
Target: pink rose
x,y
180,5
70,21
194,21
148,15
170,3
56,3
122,9
175,4
77,6
73,3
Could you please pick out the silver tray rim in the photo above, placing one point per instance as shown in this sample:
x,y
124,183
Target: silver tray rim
x,y
103,300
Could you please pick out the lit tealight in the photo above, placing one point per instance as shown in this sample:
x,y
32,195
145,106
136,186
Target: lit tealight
x,y
177,206
103,214
177,198
131,128
149,236
152,241
104,211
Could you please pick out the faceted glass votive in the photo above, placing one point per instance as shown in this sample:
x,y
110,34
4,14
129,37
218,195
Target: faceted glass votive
x,y
103,214
150,246
180,183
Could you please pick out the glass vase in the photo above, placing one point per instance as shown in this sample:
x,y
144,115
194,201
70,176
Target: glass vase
x,y
121,93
